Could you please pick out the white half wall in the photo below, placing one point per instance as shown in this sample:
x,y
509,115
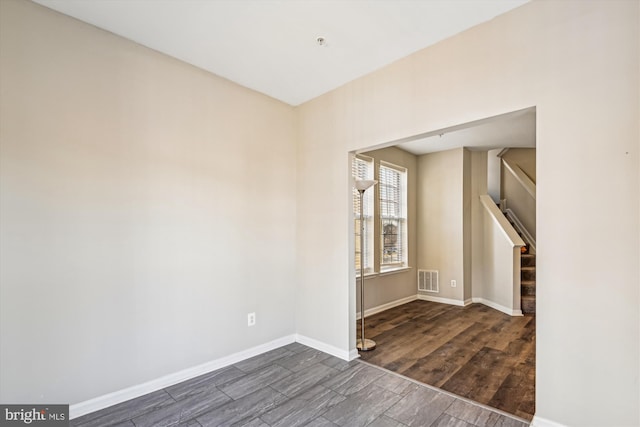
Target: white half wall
x,y
500,259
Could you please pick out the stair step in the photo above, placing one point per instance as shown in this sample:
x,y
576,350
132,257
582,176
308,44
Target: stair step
x,y
528,305
528,287
528,260
528,273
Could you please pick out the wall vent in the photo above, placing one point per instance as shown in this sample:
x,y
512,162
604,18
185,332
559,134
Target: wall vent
x,y
428,281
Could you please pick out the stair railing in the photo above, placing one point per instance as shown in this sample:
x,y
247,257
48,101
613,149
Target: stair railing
x,y
520,209
521,229
521,177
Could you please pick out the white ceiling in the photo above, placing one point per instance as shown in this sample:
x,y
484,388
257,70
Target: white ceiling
x,y
270,45
516,129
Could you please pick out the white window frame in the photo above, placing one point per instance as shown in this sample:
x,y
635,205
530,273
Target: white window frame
x,y
395,196
366,172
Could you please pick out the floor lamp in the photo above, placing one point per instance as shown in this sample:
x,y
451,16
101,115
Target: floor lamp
x,y
363,344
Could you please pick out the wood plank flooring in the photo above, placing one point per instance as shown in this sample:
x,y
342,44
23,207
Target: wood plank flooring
x,y
475,352
293,386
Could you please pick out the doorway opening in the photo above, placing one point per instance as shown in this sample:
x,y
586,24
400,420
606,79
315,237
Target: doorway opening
x,y
469,215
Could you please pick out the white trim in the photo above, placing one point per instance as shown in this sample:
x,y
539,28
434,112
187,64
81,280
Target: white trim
x,y
82,408
543,422
496,306
390,271
521,177
444,300
503,152
387,306
382,273
397,168
521,228
466,302
498,217
364,158
324,347
78,409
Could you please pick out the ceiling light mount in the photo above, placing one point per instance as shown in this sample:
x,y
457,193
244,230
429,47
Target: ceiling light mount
x,y
321,41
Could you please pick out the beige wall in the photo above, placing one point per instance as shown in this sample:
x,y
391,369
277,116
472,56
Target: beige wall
x,y
447,231
525,158
390,287
130,182
518,198
440,219
494,165
479,185
467,194
577,62
114,160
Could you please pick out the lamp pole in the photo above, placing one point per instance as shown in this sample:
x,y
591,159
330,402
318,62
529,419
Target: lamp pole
x,y
363,344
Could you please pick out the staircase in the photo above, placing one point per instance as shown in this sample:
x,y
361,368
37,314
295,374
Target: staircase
x,y
527,268
528,283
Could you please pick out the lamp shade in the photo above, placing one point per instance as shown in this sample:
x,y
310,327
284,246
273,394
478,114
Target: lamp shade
x,y
363,184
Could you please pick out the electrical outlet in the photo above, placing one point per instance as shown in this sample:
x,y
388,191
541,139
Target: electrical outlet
x,y
453,284
251,319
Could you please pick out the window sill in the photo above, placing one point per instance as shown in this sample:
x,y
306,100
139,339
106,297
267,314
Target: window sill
x,y
394,270
367,275
386,272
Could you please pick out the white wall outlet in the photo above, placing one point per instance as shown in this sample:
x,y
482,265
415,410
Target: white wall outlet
x,y
453,284
251,319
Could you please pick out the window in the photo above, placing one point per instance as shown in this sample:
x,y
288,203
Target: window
x,y
385,216
393,216
362,168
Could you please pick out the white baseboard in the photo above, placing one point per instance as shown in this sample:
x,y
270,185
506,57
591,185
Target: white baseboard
x,y
324,347
543,422
387,306
495,306
78,409
443,300
464,303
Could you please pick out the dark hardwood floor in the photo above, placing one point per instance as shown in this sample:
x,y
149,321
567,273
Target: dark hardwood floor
x,y
475,351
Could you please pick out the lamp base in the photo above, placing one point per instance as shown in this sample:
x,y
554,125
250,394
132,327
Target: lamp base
x,y
368,345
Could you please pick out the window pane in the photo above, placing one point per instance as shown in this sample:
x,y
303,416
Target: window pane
x,y
362,168
393,216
